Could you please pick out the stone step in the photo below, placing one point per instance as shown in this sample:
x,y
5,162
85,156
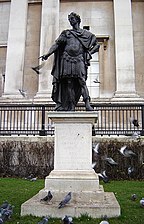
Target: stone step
x,y
109,207
81,196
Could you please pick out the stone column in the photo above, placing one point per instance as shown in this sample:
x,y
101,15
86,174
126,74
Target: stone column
x,y
124,49
49,32
16,48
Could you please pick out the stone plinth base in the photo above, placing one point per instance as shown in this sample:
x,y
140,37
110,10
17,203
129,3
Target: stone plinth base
x,y
73,172
109,207
125,97
73,181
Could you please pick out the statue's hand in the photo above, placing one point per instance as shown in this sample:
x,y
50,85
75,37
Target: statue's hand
x,y
44,57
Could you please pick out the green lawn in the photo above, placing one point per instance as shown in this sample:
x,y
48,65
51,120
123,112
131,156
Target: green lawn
x,y
17,191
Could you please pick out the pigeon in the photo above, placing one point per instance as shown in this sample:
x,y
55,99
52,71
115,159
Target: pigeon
x,y
66,199
134,122
122,149
48,197
142,203
96,148
44,221
29,177
133,197
126,152
33,179
105,220
22,92
1,212
37,68
110,161
96,81
93,165
130,170
104,176
135,135
6,213
67,220
4,205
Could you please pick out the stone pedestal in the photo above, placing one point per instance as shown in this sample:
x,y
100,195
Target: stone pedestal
x,y
73,172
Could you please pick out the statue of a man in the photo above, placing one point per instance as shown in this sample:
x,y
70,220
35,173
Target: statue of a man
x,y
72,53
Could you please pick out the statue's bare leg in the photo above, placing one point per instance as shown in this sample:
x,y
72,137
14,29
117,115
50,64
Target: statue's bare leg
x,y
85,94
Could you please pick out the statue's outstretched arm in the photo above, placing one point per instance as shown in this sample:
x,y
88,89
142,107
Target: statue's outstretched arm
x,y
53,49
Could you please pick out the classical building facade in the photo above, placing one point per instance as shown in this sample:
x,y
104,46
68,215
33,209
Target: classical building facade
x,y
29,27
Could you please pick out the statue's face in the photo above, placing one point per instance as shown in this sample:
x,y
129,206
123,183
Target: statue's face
x,y
73,20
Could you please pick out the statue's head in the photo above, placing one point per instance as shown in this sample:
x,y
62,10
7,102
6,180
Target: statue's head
x,y
76,16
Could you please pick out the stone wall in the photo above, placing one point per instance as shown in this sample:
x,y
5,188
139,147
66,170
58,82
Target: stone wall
x,y
21,156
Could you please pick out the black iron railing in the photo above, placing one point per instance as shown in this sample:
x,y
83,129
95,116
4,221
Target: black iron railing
x,y
32,119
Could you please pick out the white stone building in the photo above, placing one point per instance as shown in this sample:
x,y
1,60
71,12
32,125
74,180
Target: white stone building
x,y
29,27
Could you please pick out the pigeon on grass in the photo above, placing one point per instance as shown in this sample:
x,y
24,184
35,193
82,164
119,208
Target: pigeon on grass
x,y
105,220
66,199
44,221
133,197
33,179
29,177
6,211
142,203
4,205
67,220
1,221
48,197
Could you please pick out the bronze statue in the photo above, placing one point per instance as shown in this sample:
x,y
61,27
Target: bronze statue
x,y
72,53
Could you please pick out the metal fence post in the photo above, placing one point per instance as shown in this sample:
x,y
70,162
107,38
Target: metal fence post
x,y
43,132
142,114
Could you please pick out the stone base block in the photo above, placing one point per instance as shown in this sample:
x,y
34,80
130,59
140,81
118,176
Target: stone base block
x,y
109,206
77,197
74,181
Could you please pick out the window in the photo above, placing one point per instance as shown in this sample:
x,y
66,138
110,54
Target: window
x,y
93,83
